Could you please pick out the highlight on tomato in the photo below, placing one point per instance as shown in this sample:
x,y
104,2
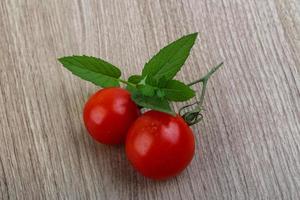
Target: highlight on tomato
x,y
160,145
108,115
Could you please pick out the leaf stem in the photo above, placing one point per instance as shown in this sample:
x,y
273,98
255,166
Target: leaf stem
x,y
202,93
206,76
204,81
127,83
194,116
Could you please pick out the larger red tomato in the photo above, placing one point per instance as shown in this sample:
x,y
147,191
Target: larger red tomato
x,y
108,115
160,145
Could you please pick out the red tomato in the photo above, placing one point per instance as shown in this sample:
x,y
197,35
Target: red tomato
x,y
159,145
108,114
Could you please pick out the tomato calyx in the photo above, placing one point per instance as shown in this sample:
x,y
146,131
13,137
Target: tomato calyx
x,y
194,116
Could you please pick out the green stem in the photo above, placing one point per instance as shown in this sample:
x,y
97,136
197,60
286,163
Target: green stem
x,y
207,76
202,93
192,117
127,83
204,81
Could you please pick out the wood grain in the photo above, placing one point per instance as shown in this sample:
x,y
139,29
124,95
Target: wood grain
x,y
248,146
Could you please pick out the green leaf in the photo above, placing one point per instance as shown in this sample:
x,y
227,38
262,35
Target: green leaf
x,y
154,102
92,69
177,91
130,88
151,81
160,93
162,82
147,90
168,61
135,79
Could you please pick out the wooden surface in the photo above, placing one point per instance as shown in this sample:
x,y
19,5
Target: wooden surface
x,y
248,146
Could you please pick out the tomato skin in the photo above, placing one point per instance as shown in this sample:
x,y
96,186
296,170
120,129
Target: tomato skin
x,y
108,114
159,145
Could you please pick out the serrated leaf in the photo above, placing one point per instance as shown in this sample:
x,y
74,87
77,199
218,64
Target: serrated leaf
x,y
92,69
177,91
168,61
154,103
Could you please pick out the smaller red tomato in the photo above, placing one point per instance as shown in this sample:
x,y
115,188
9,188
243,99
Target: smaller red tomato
x,y
159,145
108,115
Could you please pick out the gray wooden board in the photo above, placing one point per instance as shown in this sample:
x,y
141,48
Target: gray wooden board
x,y
247,145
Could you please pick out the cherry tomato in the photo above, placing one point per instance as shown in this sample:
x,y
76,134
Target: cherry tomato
x,y
159,145
108,115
